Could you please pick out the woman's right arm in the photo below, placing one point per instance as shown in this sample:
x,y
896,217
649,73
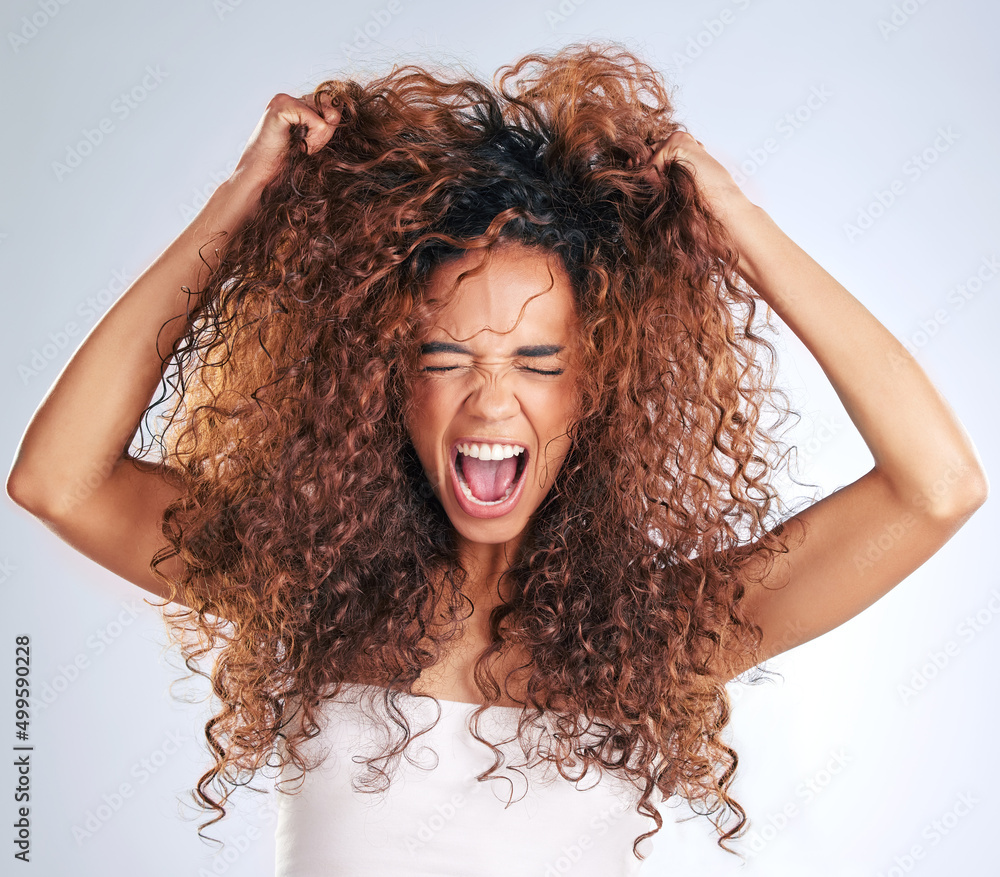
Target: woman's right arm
x,y
72,469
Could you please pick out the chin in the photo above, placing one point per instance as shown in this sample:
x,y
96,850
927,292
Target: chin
x,y
487,532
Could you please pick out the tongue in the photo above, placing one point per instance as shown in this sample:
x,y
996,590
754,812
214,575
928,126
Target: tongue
x,y
489,479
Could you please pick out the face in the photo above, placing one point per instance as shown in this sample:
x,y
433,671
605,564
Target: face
x,y
498,377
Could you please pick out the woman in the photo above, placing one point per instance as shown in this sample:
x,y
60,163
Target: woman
x,y
468,411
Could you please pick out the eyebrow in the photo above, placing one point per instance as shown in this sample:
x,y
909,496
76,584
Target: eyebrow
x,y
526,350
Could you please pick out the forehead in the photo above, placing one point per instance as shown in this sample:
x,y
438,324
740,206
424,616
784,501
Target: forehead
x,y
514,290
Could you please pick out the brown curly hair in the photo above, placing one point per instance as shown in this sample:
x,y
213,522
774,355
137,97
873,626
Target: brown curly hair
x,y
312,542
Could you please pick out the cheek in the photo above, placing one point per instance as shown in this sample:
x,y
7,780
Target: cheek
x,y
554,416
426,418
560,405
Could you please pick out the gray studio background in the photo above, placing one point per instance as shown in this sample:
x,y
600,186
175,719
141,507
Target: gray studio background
x,y
866,129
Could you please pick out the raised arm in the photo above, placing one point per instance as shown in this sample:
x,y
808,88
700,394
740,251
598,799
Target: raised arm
x,y
72,469
853,546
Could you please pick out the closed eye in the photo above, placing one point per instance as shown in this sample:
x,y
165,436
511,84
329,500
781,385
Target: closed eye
x,y
537,371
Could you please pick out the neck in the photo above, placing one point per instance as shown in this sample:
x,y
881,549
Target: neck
x,y
484,564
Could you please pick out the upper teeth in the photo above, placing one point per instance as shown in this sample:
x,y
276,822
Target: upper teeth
x,y
489,452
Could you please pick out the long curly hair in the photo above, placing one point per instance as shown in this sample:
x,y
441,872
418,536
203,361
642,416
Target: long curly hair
x,y
314,550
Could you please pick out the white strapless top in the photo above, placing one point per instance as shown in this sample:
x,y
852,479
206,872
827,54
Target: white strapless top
x,y
436,819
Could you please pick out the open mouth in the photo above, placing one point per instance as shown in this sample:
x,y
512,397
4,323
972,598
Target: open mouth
x,y
486,481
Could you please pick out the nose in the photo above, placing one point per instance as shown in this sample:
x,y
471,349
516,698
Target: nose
x,y
492,396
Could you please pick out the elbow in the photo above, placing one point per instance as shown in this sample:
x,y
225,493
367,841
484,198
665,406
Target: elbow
x,y
979,491
964,497
15,487
23,491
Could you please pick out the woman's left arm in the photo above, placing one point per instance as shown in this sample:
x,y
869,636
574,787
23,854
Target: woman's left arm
x,y
851,547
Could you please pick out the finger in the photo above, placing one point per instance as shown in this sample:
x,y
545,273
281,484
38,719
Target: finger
x,y
325,100
332,112
662,154
319,129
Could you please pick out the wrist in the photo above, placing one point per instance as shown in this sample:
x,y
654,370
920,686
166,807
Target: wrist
x,y
242,186
731,205
232,203
757,240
